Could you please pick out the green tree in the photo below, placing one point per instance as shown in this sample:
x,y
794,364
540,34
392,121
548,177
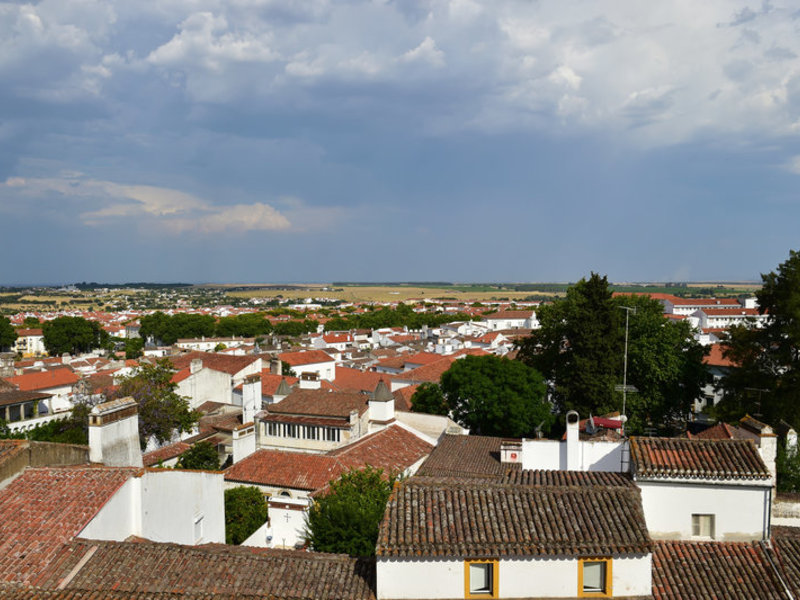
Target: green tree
x,y
787,465
287,370
496,396
245,511
162,411
8,335
202,456
31,323
133,347
246,325
345,518
428,398
580,349
73,335
766,380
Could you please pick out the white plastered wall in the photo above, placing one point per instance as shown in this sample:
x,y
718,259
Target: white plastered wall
x,y
550,577
591,456
740,512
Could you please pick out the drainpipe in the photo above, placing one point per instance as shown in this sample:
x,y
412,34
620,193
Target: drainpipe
x,y
766,546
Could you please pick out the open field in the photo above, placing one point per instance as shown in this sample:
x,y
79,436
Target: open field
x,y
386,293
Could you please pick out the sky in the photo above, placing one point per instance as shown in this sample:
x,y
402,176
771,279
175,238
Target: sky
x,y
355,140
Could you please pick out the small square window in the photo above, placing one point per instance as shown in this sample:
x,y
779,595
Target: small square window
x,y
594,577
480,579
703,526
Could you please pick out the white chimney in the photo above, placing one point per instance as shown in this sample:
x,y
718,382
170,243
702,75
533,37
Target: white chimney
x,y
573,441
511,451
310,381
251,397
114,434
276,366
196,365
244,441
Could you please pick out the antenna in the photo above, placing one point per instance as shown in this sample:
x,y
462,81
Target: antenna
x,y
625,388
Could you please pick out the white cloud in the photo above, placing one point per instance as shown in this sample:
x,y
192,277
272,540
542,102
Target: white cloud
x,y
427,52
793,164
161,208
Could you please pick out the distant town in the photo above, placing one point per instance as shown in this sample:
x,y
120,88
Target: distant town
x,y
397,440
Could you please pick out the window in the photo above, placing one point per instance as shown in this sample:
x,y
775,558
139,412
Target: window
x,y
480,579
594,577
703,526
272,429
290,430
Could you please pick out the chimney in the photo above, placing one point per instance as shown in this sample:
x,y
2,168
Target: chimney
x,y
196,365
275,366
310,381
244,440
114,434
282,391
511,451
251,397
381,405
6,364
573,441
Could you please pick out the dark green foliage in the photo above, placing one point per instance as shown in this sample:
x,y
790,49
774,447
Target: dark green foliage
x,y
133,347
73,335
245,511
31,323
245,325
345,519
496,396
202,456
161,410
429,399
787,466
169,329
287,370
580,349
295,328
767,381
402,316
72,430
8,335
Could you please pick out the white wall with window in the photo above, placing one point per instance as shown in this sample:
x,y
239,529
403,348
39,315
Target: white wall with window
x,y
520,577
724,512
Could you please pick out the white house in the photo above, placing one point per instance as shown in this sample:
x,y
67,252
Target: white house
x,y
30,342
547,538
512,319
311,361
695,489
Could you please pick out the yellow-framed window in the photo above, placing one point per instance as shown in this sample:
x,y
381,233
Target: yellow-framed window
x,y
480,578
594,577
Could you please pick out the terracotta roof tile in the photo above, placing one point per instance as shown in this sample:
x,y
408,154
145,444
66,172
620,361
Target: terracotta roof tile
x,y
44,508
543,477
786,542
429,517
280,468
211,360
42,380
465,456
391,449
211,570
306,357
731,570
320,403
18,396
402,397
696,458
354,380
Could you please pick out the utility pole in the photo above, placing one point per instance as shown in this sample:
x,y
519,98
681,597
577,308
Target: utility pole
x,y
625,388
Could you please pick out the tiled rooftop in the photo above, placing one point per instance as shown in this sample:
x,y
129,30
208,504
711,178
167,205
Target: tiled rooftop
x,y
541,477
44,508
429,517
786,541
210,569
730,570
211,360
696,458
321,403
43,380
306,357
279,468
465,456
18,396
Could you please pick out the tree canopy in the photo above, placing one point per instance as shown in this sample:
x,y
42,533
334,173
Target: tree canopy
x,y
429,399
162,411
8,335
202,456
580,350
345,518
402,316
766,381
245,511
73,335
495,396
